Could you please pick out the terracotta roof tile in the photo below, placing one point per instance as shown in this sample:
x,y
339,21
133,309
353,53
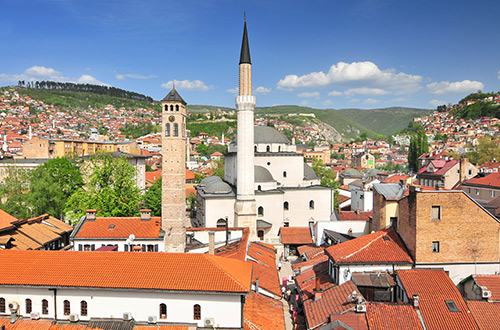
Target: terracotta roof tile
x,y
381,316
383,247
236,250
332,301
396,178
6,220
296,235
490,180
355,215
442,166
263,313
120,228
311,251
309,263
310,278
492,282
161,271
434,287
485,313
351,319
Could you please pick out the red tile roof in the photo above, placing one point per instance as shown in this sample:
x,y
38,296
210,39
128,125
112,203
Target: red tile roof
x,y
381,247
383,316
6,220
263,313
442,166
153,176
491,282
490,180
157,271
333,301
396,178
355,215
50,325
485,313
310,278
434,287
264,268
296,235
120,228
311,251
309,263
236,250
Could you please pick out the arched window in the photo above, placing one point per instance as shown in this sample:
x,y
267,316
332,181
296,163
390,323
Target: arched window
x,y
260,211
2,305
221,223
172,107
45,307
285,206
268,148
83,308
279,148
260,234
311,205
167,129
176,107
284,174
166,107
197,312
28,306
255,148
176,129
66,307
259,187
163,311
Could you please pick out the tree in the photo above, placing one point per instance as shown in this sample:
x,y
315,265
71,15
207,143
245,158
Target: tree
x,y
13,190
486,150
218,167
327,176
109,188
152,198
418,147
51,185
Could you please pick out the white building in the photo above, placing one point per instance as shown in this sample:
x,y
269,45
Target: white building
x,y
163,288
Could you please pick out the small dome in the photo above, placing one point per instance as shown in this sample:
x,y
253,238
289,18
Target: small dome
x,y
261,174
210,179
217,187
266,134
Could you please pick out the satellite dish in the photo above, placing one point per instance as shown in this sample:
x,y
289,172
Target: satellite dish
x,y
131,237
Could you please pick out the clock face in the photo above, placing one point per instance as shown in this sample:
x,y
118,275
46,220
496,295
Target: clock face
x,y
171,118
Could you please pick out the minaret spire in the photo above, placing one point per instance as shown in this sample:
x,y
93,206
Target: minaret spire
x,y
245,48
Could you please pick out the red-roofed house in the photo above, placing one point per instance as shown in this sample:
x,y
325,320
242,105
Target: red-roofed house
x,y
483,188
485,313
380,251
481,287
446,173
293,237
392,317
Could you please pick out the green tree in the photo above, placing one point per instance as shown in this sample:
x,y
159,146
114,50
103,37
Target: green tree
x,y
486,150
13,191
109,188
51,185
327,176
218,167
418,146
152,198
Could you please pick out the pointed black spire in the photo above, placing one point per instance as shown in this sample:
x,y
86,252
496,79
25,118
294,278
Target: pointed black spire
x,y
174,96
245,49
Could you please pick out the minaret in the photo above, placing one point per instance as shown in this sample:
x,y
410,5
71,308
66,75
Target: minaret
x,y
173,192
245,206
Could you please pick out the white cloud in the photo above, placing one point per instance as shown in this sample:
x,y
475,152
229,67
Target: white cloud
x,y
120,76
365,91
195,85
353,100
233,90
446,87
88,79
41,71
371,101
312,95
366,73
436,102
328,102
334,93
262,90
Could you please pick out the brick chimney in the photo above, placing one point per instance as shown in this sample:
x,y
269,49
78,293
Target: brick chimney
x,y
318,292
91,215
145,215
211,242
463,169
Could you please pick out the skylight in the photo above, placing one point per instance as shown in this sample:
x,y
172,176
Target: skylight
x,y
451,306
387,238
111,227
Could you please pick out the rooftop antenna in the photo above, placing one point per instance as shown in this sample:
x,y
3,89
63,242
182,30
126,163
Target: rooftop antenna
x,y
173,84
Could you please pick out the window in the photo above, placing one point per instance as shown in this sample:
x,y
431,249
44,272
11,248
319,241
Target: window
x,y
260,234
172,107
436,213
83,308
470,172
259,187
268,148
260,211
163,311
394,222
452,307
2,305
221,223
435,247
67,307
286,224
476,191
311,205
176,129
167,129
28,306
285,206
284,174
492,193
166,107
45,307
255,148
176,107
197,312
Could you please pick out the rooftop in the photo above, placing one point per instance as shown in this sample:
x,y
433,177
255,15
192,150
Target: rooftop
x,y
392,317
119,227
296,235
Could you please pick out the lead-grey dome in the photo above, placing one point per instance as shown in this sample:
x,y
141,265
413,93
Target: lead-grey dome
x,y
217,187
261,174
266,134
210,179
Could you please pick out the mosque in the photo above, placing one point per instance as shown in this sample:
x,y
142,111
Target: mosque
x,y
267,184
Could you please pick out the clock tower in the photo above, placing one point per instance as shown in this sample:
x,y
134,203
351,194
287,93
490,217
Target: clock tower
x,y
173,192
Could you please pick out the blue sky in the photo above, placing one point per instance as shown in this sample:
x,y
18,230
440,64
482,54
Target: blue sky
x,y
323,54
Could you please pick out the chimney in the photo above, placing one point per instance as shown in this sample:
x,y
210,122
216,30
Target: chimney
x,y
227,231
257,285
145,215
211,242
318,292
463,169
415,301
91,215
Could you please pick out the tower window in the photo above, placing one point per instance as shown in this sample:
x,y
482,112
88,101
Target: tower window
x,y
166,107
255,148
197,312
284,174
176,107
83,308
268,148
45,307
176,129
259,187
163,311
172,107
167,129
311,205
260,211
285,206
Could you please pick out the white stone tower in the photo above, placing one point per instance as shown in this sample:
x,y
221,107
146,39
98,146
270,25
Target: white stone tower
x,y
173,192
245,206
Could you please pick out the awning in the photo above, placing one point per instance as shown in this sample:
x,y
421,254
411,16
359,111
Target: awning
x,y
262,224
